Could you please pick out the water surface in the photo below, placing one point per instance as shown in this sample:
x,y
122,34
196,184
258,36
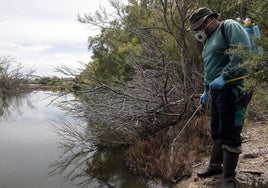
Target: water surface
x,y
27,144
29,147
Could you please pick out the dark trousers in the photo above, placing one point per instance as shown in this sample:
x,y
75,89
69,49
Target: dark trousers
x,y
228,112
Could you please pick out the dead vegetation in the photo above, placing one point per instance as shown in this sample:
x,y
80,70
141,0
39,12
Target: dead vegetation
x,y
12,76
151,158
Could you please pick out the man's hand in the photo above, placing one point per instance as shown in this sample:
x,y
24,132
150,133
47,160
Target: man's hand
x,y
204,98
218,83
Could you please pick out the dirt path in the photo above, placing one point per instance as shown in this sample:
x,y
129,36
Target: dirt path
x,y
252,169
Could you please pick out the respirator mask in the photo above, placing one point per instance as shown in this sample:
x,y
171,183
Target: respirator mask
x,y
201,34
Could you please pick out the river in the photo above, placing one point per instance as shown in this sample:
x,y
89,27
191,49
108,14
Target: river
x,y
30,149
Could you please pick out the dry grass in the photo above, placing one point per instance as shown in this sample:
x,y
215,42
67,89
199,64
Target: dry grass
x,y
257,110
151,158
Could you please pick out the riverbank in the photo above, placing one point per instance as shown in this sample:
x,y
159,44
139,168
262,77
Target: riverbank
x,y
252,169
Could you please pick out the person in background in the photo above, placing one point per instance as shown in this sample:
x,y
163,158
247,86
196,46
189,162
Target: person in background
x,y
228,102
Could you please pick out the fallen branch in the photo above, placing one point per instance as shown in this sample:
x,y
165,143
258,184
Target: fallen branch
x,y
258,172
266,160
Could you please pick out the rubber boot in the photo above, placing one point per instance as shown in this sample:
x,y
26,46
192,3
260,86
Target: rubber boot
x,y
215,163
230,160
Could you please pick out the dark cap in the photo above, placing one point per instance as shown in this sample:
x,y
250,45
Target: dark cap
x,y
198,16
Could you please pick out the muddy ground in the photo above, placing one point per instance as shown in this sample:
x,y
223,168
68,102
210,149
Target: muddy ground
x,y
252,169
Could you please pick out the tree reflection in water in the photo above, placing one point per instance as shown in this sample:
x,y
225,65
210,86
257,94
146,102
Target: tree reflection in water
x,y
14,104
89,164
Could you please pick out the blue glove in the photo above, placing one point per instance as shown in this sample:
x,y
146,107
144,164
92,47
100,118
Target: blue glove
x,y
218,83
204,98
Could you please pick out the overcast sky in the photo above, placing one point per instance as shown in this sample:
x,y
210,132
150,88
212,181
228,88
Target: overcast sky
x,y
43,34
